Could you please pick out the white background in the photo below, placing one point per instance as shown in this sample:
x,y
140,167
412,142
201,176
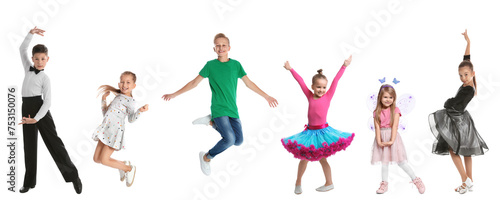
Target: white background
x,y
167,43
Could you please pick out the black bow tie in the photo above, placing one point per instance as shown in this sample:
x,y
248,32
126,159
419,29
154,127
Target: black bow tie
x,y
35,69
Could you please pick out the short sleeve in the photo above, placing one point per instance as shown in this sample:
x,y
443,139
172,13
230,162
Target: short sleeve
x,y
241,71
397,111
205,72
466,57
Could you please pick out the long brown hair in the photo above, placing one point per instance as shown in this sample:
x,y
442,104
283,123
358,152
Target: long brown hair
x,y
108,88
389,89
318,76
467,63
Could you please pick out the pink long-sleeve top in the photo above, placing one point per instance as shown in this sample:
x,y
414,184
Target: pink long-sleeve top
x,y
318,108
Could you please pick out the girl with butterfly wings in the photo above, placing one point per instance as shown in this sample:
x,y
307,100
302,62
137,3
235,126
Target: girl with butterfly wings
x,y
388,146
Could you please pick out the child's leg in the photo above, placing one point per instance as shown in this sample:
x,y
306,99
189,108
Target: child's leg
x,y
110,162
408,170
385,172
223,126
238,132
97,153
327,171
468,166
300,173
458,164
56,148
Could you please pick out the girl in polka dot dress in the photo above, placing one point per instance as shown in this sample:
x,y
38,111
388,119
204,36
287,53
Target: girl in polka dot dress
x,y
110,133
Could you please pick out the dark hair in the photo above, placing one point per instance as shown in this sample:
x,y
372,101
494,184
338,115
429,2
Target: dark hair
x,y
467,63
108,88
40,48
221,35
318,76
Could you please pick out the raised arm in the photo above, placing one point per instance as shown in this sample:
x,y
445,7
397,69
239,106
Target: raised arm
x,y
192,84
299,80
272,102
335,81
467,49
24,47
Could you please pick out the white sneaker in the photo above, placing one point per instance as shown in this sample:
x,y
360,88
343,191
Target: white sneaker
x,y
298,189
205,166
122,173
203,120
325,188
130,176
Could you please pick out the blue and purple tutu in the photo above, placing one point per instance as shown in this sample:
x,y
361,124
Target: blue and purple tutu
x,y
314,144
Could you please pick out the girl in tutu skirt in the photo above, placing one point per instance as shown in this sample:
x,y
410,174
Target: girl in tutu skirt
x,y
454,128
109,134
388,146
318,140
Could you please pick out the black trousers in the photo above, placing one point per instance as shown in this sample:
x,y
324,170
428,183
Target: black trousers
x,y
54,144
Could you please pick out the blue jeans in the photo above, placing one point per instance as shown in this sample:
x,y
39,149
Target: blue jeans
x,y
230,131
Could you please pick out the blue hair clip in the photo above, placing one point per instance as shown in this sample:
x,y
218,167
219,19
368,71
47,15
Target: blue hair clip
x,y
382,80
395,81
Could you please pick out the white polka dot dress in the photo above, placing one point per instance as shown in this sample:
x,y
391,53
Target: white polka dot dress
x,y
111,131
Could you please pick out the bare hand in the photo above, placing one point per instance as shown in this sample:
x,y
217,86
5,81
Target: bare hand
x,y
37,31
347,62
105,95
287,66
167,97
272,101
466,36
387,144
144,108
28,120
381,144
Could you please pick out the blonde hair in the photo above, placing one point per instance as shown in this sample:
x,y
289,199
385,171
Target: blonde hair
x,y
319,75
389,89
108,88
221,35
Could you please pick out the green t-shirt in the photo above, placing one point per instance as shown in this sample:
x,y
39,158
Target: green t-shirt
x,y
223,79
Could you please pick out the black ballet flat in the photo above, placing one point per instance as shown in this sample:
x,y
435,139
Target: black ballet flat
x,y
77,184
25,189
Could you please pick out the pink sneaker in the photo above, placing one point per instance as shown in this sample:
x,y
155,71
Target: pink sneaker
x,y
420,185
383,187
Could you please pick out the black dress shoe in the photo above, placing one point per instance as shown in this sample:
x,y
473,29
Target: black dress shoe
x,y
25,189
77,184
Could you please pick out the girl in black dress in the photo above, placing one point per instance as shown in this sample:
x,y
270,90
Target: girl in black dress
x,y
454,128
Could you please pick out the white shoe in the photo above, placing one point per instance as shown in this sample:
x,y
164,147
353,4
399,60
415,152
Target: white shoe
x,y
205,166
130,176
468,187
122,173
325,188
298,189
203,120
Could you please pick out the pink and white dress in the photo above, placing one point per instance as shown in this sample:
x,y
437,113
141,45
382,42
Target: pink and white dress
x,y
395,153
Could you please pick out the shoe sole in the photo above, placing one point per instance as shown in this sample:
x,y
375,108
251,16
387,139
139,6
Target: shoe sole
x,y
324,190
133,178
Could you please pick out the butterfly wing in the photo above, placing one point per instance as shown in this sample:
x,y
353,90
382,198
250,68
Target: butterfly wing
x,y
406,104
371,103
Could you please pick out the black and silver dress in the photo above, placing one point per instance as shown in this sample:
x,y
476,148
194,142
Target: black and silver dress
x,y
454,128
